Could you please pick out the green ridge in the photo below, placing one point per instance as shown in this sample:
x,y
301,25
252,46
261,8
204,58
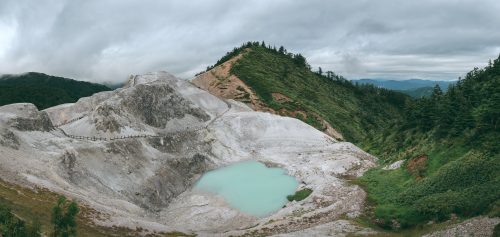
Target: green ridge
x,y
356,111
43,90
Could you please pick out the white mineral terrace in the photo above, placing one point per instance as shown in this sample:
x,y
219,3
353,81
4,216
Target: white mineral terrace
x,y
172,134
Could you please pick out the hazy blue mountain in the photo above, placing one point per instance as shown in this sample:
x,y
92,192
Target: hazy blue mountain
x,y
401,85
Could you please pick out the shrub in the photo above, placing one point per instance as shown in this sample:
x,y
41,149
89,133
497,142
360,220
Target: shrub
x,y
300,195
63,218
12,226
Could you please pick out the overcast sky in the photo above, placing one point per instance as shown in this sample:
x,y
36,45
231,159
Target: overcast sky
x,y
99,40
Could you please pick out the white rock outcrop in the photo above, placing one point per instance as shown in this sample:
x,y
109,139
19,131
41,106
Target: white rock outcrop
x,y
395,165
135,153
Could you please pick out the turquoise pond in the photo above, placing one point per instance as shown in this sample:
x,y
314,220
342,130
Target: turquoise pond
x,y
250,186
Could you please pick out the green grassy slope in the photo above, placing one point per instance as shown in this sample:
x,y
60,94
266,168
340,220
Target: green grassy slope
x,y
30,206
43,90
356,111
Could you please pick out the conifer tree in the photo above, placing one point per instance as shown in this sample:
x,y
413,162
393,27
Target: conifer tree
x,y
64,218
281,50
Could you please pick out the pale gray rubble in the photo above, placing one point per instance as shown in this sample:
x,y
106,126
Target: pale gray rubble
x,y
480,226
339,228
135,153
395,165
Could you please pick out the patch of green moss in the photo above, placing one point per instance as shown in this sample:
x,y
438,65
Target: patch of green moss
x,y
300,195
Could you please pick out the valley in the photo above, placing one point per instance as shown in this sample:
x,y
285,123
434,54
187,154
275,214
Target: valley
x,y
445,144
136,158
250,119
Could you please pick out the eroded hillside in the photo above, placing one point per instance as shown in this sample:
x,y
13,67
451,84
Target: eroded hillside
x,y
281,82
221,82
133,155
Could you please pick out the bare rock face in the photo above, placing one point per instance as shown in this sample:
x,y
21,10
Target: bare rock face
x,y
26,117
172,180
106,120
150,104
157,104
40,122
135,154
154,105
478,227
8,139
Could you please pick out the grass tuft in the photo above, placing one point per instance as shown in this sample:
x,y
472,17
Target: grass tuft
x,y
300,195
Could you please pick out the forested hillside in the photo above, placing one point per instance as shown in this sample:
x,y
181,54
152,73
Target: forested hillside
x,y
43,90
450,145
419,92
467,114
447,143
355,111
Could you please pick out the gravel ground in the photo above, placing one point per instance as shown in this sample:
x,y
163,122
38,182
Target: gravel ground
x,y
475,227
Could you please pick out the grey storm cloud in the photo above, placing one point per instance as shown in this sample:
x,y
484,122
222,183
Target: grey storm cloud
x,y
103,40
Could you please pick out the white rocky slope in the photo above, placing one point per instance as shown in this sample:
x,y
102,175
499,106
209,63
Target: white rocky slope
x,y
135,153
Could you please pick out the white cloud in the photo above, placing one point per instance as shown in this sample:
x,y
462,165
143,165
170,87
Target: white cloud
x,y
7,36
104,40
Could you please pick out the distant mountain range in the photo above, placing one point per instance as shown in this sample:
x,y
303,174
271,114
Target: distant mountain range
x,y
413,87
405,84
